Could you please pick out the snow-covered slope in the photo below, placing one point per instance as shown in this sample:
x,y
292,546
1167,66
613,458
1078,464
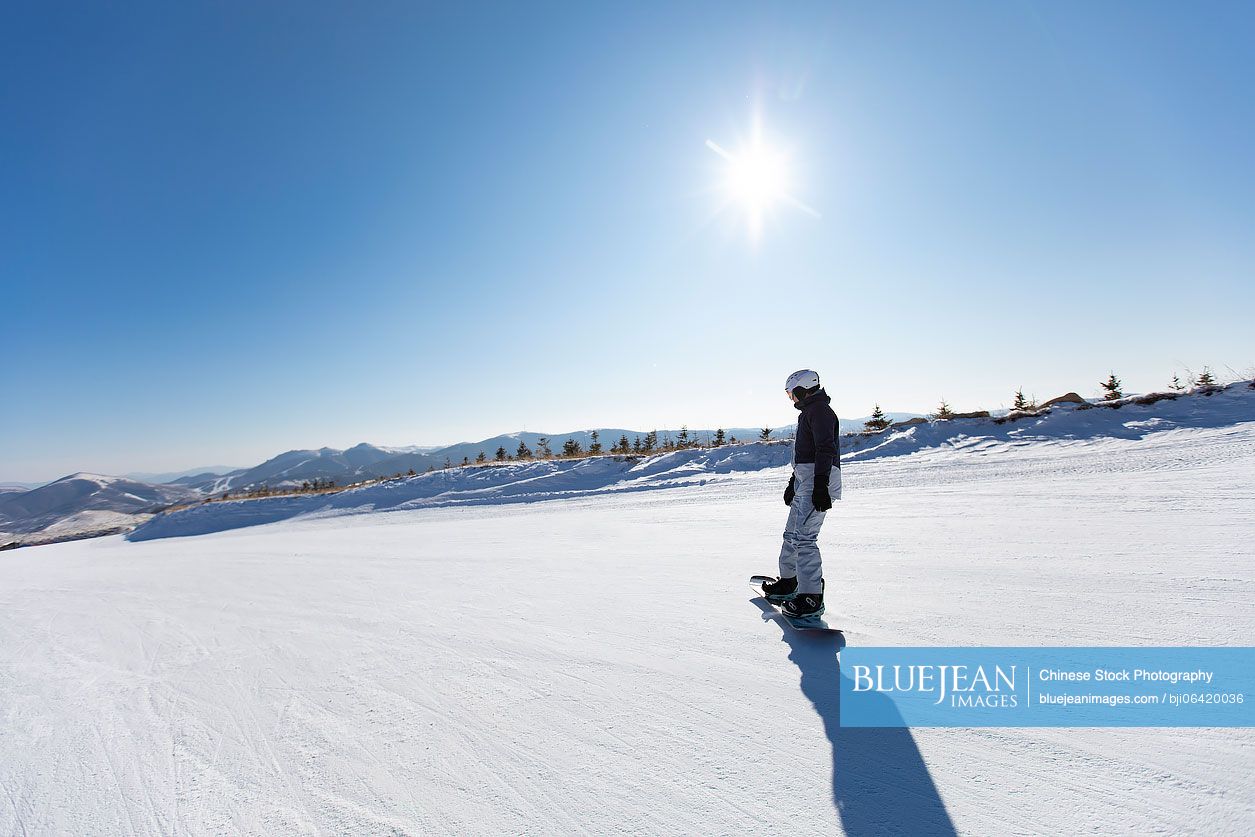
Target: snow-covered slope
x,y
366,461
554,479
596,665
1134,417
510,483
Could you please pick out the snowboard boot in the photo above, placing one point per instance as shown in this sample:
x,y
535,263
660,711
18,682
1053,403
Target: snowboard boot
x,y
780,590
803,605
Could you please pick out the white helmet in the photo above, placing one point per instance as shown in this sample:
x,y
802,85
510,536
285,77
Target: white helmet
x,y
804,378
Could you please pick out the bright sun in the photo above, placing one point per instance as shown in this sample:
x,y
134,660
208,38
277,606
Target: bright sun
x,y
756,179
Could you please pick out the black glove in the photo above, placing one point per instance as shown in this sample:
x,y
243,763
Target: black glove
x,y
790,490
819,496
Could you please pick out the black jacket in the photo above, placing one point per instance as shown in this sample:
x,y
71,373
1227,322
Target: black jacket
x,y
817,434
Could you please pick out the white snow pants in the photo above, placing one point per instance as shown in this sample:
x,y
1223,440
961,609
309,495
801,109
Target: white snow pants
x,y
799,556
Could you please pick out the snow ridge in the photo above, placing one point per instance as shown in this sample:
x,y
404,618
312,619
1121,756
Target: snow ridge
x,y
482,485
1084,425
1131,418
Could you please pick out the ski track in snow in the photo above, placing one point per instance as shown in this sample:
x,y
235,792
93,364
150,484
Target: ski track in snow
x,y
517,669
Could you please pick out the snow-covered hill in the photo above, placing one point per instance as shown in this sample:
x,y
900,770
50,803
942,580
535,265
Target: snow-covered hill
x,y
1134,417
531,481
514,482
67,502
366,461
595,664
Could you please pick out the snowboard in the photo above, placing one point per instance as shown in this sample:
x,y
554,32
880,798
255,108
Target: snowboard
x,y
806,623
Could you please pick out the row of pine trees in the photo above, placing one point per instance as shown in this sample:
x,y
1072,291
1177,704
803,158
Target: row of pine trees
x,y
572,449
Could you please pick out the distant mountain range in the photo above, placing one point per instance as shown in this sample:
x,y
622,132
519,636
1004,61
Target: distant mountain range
x,y
171,476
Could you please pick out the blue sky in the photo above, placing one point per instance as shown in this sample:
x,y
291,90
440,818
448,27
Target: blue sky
x,y
232,229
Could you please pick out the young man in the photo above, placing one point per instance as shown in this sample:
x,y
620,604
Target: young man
x,y
815,482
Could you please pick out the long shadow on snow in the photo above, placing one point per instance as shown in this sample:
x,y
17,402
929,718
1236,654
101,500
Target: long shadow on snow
x,y
880,783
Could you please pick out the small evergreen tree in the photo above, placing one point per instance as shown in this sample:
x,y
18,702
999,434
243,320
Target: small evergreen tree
x,y
411,473
651,442
683,439
501,454
482,456
624,446
1020,403
878,421
542,448
764,434
524,452
943,411
1176,384
571,448
731,440
594,447
1111,388
719,437
1205,378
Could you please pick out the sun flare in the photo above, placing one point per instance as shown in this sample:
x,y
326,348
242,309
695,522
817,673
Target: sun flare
x,y
756,179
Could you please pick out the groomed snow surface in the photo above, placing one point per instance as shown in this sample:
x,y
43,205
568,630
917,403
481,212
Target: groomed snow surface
x,y
595,664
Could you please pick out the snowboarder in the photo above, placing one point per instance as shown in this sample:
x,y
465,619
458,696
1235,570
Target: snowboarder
x,y
815,482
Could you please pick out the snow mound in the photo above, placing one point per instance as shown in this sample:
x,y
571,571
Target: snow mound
x,y
1132,418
